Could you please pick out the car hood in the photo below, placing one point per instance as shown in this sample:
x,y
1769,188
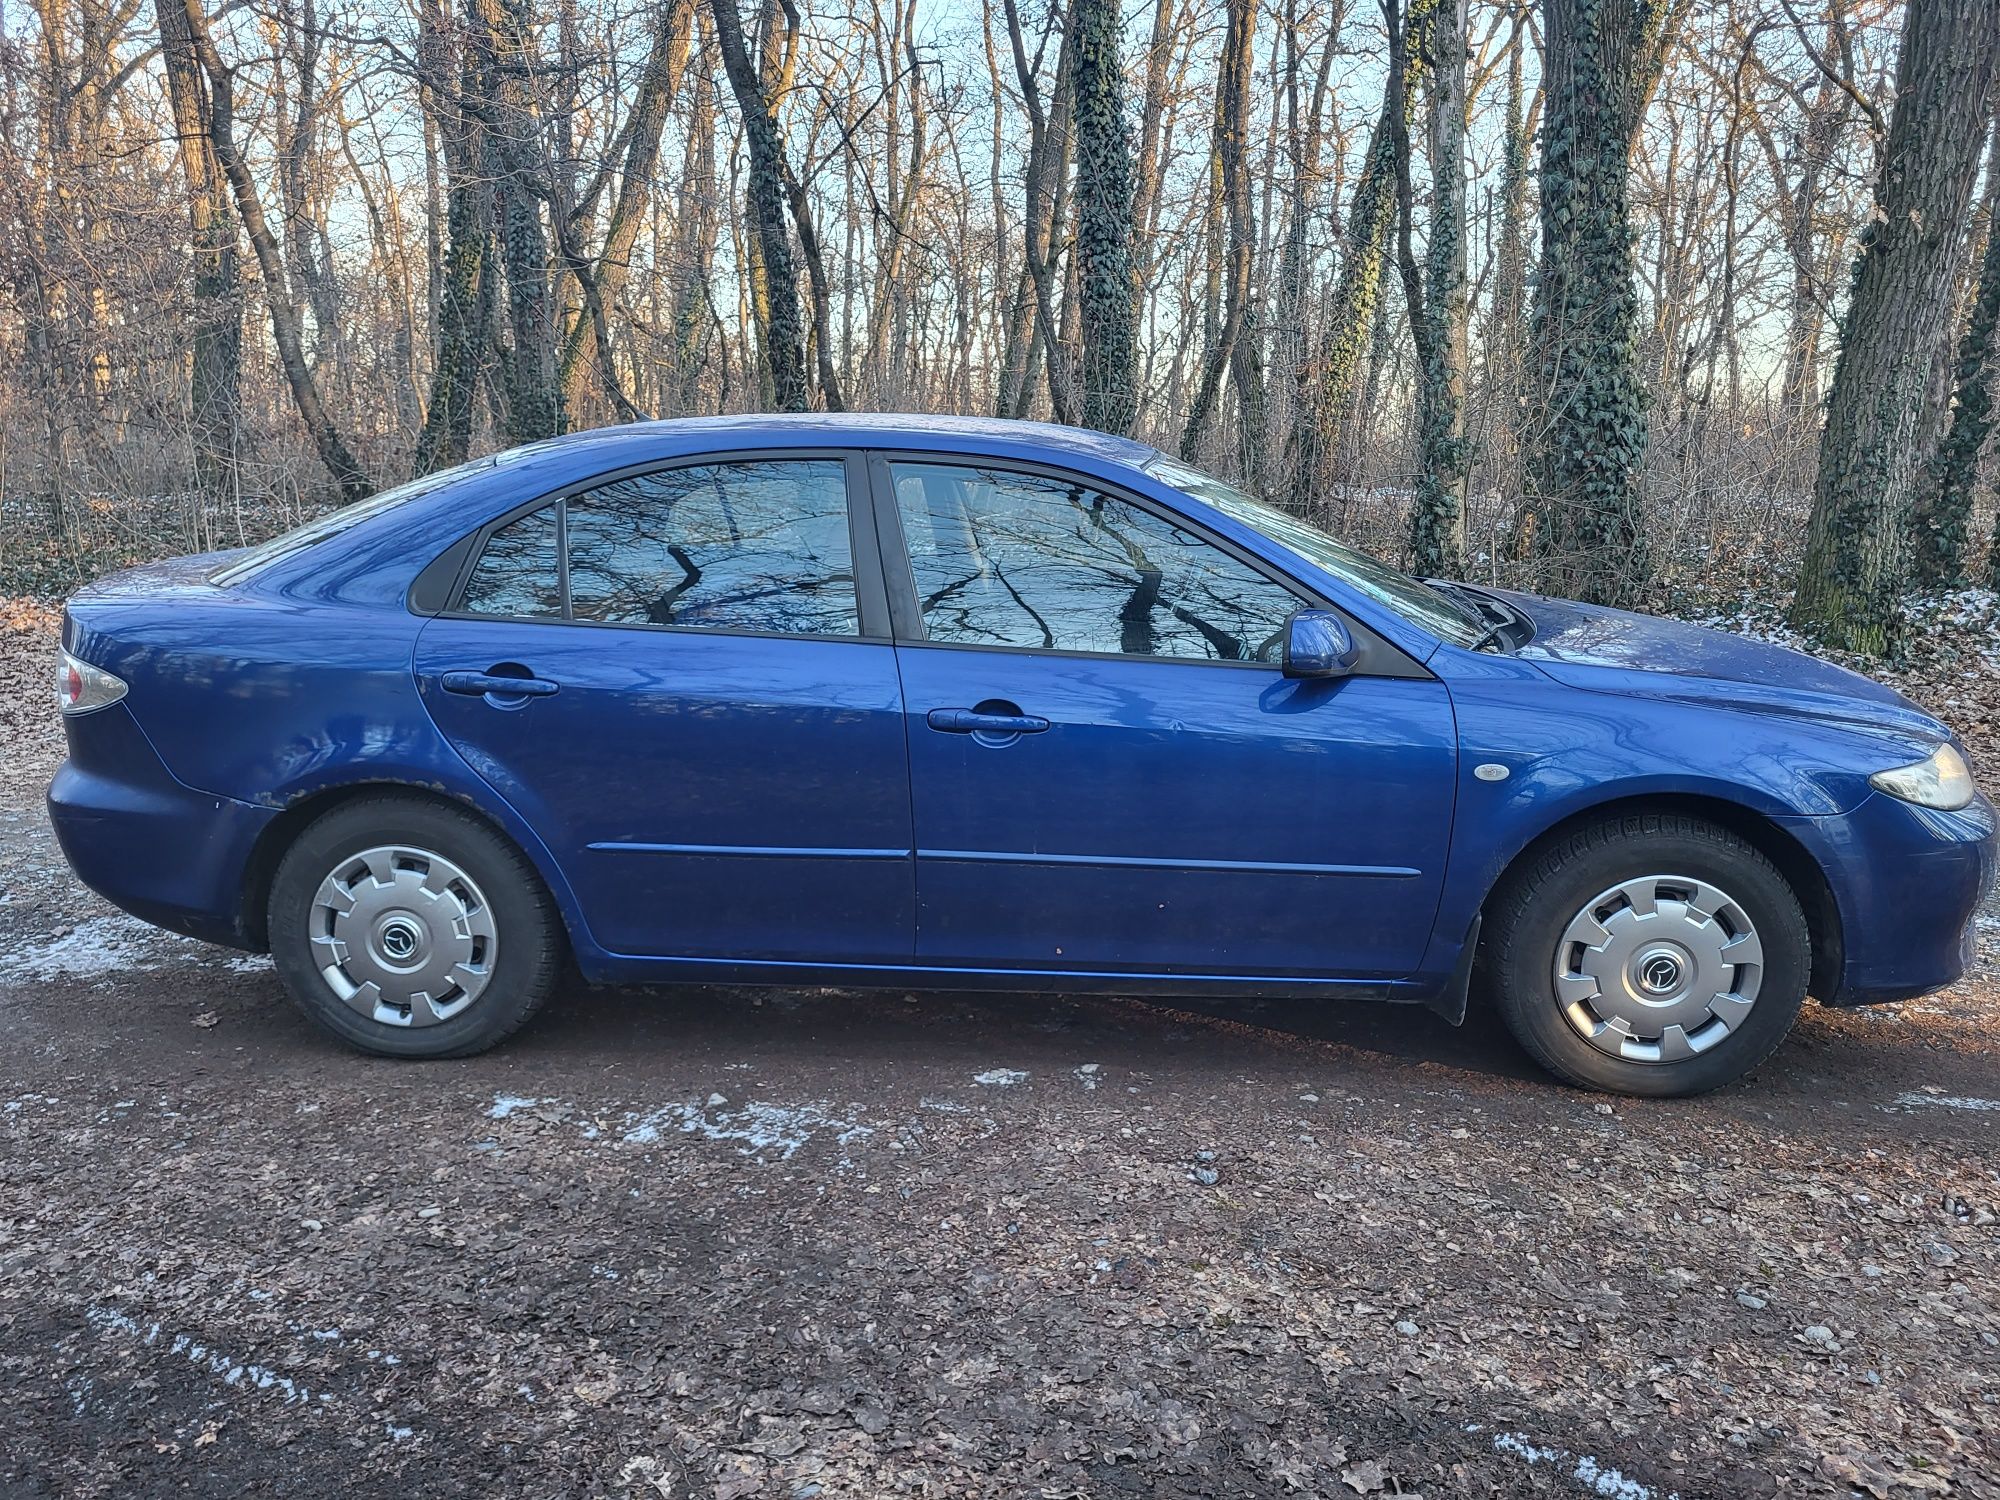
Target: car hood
x,y
1615,650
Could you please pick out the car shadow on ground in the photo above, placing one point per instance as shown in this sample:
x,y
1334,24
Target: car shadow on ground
x,y
867,1027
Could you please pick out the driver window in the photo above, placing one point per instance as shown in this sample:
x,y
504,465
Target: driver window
x,y
1011,559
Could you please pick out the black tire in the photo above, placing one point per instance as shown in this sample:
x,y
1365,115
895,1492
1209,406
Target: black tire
x,y
1527,917
530,945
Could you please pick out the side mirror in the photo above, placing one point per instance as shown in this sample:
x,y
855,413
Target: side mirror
x,y
1318,644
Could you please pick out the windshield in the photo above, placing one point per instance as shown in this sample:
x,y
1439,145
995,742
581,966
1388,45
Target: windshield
x,y
1421,606
319,528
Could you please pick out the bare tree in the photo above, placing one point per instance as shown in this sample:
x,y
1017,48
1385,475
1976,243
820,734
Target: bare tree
x,y
333,450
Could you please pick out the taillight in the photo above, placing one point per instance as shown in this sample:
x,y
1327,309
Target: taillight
x,y
80,687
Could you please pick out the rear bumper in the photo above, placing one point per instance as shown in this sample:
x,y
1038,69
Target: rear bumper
x,y
1908,882
145,842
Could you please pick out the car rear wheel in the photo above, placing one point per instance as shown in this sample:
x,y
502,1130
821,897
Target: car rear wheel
x,y
411,929
1653,954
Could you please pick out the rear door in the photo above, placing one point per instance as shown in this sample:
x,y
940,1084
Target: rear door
x,y
682,681
1108,768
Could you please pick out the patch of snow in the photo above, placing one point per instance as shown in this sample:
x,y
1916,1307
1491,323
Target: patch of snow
x,y
1000,1078
232,1371
507,1104
93,949
100,948
1948,1101
1596,1477
756,1128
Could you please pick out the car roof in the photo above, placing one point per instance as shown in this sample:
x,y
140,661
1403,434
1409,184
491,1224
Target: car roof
x,y
875,428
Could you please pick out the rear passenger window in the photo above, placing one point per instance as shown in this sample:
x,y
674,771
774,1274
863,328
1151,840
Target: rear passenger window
x,y
517,574
751,546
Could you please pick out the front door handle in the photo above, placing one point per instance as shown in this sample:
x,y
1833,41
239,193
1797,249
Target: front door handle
x,y
972,721
498,685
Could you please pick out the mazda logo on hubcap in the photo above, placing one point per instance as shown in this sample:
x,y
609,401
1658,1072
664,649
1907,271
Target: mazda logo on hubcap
x,y
1660,973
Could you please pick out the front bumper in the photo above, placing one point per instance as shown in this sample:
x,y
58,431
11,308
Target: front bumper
x,y
1907,882
147,843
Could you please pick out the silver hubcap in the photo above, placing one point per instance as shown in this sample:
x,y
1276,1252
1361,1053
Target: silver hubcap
x,y
1658,968
403,935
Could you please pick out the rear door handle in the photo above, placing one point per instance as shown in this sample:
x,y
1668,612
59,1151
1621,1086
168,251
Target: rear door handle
x,y
480,684
971,721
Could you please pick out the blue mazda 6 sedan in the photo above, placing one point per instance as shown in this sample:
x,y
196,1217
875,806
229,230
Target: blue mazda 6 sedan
x,y
919,701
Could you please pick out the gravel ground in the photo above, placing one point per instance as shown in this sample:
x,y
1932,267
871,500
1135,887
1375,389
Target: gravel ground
x,y
719,1243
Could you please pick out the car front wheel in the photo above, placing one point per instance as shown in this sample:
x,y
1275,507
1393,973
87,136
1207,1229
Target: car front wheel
x,y
411,929
1652,954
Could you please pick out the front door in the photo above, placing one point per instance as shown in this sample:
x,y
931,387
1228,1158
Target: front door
x,y
1110,773
706,731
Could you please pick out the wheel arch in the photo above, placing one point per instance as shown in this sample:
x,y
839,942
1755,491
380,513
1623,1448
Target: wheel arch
x,y
261,868
1776,843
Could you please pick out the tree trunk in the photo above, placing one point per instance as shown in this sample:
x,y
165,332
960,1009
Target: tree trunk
x,y
1587,462
1438,316
218,300
1506,328
1944,504
665,63
534,392
1232,113
1343,351
465,278
1857,546
1104,222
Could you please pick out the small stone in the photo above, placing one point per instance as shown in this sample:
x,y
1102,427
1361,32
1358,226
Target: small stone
x,y
1309,1098
1206,1176
1407,1329
716,1101
1752,1301
1871,1270
310,1224
1602,1109
1461,1134
1822,1337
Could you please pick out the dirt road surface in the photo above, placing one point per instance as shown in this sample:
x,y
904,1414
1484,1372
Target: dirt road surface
x,y
718,1243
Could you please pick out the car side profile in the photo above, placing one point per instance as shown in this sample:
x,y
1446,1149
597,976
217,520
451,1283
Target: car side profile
x,y
890,700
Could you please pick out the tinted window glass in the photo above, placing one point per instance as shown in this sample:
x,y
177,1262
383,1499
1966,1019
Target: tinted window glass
x,y
738,546
1409,598
1007,559
516,574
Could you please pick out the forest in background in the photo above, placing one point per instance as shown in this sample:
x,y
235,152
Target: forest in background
x,y
1642,301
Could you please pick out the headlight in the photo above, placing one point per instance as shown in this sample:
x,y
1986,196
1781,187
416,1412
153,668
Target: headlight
x,y
1944,781
80,687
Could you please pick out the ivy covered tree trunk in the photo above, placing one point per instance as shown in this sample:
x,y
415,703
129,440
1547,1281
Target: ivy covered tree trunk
x,y
1601,60
534,386
1857,546
1944,506
465,287
779,325
1357,294
1437,511
1110,374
